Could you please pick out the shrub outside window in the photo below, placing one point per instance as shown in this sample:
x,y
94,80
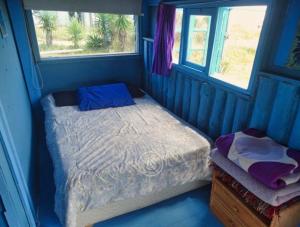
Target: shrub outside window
x,y
65,34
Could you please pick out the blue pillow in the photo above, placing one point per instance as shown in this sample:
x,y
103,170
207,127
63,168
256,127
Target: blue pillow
x,y
104,96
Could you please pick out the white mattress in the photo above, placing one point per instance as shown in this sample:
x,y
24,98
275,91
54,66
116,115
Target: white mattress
x,y
113,154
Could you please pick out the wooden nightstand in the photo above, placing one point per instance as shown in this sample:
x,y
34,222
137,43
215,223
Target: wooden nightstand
x,y
232,211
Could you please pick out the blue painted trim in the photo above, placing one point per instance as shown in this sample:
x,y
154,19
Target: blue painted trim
x,y
184,30
186,26
12,159
88,58
32,35
15,9
217,51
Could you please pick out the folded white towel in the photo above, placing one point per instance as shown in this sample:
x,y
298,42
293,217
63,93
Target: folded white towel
x,y
270,196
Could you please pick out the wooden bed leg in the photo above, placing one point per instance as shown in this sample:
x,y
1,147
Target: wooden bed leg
x,y
89,225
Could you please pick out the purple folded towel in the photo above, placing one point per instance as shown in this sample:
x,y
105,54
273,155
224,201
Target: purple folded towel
x,y
270,196
267,161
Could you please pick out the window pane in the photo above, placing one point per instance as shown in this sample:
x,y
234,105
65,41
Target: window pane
x,y
238,45
63,34
198,39
178,27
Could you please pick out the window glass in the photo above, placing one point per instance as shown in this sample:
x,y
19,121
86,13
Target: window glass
x,y
198,39
236,43
178,28
63,34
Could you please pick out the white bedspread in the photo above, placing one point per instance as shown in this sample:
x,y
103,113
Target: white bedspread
x,y
107,155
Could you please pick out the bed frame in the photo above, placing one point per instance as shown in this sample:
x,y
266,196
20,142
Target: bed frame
x,y
90,217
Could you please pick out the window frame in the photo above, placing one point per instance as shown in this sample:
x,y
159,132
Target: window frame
x,y
36,51
204,72
185,39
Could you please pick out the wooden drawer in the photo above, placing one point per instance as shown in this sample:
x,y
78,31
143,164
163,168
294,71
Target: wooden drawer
x,y
230,210
234,213
224,215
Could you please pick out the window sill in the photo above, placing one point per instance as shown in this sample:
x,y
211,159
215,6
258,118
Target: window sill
x,y
203,76
52,60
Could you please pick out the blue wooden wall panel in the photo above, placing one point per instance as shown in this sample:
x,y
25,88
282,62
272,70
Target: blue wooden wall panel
x,y
217,114
215,110
178,94
241,114
294,140
165,90
195,99
205,106
283,112
171,91
186,99
263,104
228,114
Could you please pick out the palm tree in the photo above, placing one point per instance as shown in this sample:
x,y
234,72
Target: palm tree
x,y
75,30
121,25
48,22
104,24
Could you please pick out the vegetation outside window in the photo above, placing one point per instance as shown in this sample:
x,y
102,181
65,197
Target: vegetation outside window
x,y
64,34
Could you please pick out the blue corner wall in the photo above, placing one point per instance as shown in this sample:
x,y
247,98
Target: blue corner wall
x,y
19,28
16,121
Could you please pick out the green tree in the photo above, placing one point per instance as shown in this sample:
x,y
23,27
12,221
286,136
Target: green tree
x,y
121,25
75,31
104,26
48,23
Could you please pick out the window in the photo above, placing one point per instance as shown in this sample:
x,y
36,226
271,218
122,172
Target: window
x,y
198,39
64,34
178,29
236,43
221,42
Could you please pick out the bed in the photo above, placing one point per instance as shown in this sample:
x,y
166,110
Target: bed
x,y
112,161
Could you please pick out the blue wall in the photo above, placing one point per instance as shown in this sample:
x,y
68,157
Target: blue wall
x,y
72,73
15,109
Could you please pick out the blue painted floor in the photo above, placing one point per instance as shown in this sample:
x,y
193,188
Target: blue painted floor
x,y
187,210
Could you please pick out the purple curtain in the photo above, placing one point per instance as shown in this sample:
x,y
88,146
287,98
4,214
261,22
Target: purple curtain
x,y
164,40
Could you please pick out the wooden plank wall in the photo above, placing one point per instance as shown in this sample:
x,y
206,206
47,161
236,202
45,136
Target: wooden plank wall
x,y
273,107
